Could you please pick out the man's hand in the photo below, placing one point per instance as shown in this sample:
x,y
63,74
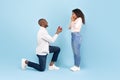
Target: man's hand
x,y
59,30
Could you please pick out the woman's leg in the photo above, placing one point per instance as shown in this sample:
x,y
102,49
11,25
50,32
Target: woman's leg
x,y
76,40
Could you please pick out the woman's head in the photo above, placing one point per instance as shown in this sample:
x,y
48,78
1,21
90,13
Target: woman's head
x,y
76,13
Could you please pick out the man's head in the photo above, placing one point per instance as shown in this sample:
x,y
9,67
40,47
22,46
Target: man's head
x,y
42,22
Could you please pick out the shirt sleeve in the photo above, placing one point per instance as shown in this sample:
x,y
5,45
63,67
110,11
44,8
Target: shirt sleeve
x,y
71,24
49,38
78,23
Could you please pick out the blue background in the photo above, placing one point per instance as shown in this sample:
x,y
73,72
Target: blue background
x,y
100,50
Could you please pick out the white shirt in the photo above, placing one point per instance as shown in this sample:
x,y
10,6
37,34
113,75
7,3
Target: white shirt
x,y
43,40
75,26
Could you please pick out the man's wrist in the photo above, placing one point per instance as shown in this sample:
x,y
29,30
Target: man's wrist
x,y
57,33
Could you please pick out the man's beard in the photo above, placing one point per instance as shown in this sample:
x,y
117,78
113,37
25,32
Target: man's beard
x,y
46,26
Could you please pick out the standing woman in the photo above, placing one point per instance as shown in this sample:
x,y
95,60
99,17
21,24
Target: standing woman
x,y
77,20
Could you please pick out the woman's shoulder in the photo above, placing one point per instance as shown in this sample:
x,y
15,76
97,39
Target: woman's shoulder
x,y
79,19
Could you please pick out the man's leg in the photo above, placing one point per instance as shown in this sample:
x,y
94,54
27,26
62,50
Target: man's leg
x,y
42,63
55,50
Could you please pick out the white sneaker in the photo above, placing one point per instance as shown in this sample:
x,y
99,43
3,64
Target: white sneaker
x,y
75,68
53,67
23,64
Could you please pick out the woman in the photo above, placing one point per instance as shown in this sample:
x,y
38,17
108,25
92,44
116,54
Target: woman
x,y
77,20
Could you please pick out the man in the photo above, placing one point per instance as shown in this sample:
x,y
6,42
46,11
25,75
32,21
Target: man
x,y
43,49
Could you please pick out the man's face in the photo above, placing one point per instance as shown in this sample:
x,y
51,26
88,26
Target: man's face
x,y
45,23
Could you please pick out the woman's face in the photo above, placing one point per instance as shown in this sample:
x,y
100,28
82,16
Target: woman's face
x,y
74,16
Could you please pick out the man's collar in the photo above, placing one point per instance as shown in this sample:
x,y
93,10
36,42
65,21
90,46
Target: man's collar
x,y
42,27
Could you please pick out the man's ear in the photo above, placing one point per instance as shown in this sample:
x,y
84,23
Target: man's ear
x,y
42,23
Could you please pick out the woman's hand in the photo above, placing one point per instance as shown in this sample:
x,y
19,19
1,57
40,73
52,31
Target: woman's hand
x,y
69,27
73,18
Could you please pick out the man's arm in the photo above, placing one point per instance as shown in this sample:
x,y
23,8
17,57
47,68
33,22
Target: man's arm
x,y
50,39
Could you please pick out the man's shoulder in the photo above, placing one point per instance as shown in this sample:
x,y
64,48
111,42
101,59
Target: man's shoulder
x,y
42,31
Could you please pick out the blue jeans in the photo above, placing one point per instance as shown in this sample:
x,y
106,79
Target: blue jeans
x,y
76,43
42,59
